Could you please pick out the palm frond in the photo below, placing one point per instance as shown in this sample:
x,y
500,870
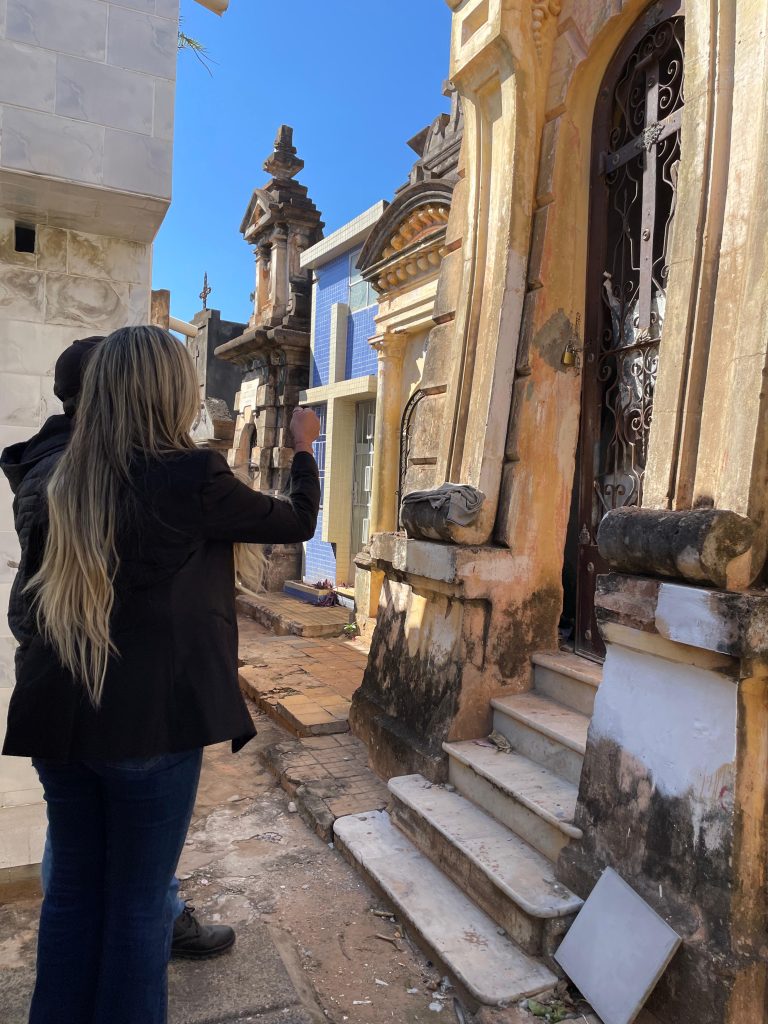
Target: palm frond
x,y
186,42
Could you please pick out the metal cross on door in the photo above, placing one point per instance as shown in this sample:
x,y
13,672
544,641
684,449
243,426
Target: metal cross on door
x,y
635,159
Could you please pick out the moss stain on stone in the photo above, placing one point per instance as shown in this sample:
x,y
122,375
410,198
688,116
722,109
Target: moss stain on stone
x,y
523,629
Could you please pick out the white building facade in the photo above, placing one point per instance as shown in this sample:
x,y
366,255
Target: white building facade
x,y
86,122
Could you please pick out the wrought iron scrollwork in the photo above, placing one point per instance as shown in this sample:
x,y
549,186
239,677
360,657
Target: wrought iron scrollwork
x,y
641,179
636,155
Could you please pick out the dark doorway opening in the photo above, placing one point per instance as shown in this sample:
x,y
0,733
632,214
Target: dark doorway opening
x,y
633,188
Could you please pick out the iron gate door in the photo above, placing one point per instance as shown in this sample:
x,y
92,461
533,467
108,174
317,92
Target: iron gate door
x,y
635,160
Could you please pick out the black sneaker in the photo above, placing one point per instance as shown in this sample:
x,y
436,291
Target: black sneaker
x,y
195,941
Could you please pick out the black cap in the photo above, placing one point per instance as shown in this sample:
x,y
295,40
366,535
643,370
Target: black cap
x,y
70,366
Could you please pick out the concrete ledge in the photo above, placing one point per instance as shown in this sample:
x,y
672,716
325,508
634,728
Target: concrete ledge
x,y
442,562
343,239
709,619
354,389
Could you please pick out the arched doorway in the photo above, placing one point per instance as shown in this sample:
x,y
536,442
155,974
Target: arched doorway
x,y
635,160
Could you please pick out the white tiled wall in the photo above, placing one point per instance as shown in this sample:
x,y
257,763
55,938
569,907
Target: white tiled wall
x,y
86,91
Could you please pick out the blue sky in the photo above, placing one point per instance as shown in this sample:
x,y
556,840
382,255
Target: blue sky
x,y
355,79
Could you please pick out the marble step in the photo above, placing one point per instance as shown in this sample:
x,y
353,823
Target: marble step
x,y
487,967
567,678
544,730
534,802
513,883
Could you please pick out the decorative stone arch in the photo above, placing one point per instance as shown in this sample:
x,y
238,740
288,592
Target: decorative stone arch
x,y
241,452
401,258
408,238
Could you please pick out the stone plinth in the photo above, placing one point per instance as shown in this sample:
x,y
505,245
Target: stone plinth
x,y
674,790
453,630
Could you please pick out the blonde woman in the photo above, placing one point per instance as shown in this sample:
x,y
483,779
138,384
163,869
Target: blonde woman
x,y
132,668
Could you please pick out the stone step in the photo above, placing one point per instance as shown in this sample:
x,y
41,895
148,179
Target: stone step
x,y
285,616
567,678
534,802
513,883
485,966
547,732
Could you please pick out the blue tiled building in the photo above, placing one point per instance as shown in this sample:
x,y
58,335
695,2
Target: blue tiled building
x,y
343,393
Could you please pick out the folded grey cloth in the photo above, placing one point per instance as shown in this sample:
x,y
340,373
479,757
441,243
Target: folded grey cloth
x,y
463,501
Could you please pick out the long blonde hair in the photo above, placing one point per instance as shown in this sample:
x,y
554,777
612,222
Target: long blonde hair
x,y
139,396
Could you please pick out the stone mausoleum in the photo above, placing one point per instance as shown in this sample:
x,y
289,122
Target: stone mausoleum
x,y
272,353
87,103
401,260
374,286
596,370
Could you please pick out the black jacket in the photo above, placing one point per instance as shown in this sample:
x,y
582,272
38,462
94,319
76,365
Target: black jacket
x,y
28,466
173,685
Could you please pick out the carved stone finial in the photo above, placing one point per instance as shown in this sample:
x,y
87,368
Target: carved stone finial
x,y
283,162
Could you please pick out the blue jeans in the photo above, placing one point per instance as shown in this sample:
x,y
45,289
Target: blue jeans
x,y
116,832
177,903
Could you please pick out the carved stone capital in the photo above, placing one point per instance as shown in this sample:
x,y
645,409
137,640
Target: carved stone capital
x,y
389,347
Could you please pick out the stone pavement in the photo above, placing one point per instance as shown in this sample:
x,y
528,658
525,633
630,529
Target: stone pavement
x,y
328,777
283,615
304,684
309,948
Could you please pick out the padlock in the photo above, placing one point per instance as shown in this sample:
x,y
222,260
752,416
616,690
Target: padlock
x,y
571,355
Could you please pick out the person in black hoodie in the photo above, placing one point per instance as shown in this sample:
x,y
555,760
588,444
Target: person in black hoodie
x,y
28,466
129,665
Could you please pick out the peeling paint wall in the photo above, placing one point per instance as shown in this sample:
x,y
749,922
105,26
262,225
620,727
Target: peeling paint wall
x,y
674,788
678,721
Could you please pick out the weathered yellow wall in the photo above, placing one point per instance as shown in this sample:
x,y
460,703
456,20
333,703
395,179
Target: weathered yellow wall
x,y
505,411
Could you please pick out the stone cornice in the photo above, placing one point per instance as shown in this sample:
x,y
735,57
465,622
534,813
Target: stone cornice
x,y
408,241
419,260
259,344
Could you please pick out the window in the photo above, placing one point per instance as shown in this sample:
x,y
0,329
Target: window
x,y
361,293
318,447
24,238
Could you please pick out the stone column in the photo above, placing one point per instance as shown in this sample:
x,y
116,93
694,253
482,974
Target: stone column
x,y
279,280
261,297
386,444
